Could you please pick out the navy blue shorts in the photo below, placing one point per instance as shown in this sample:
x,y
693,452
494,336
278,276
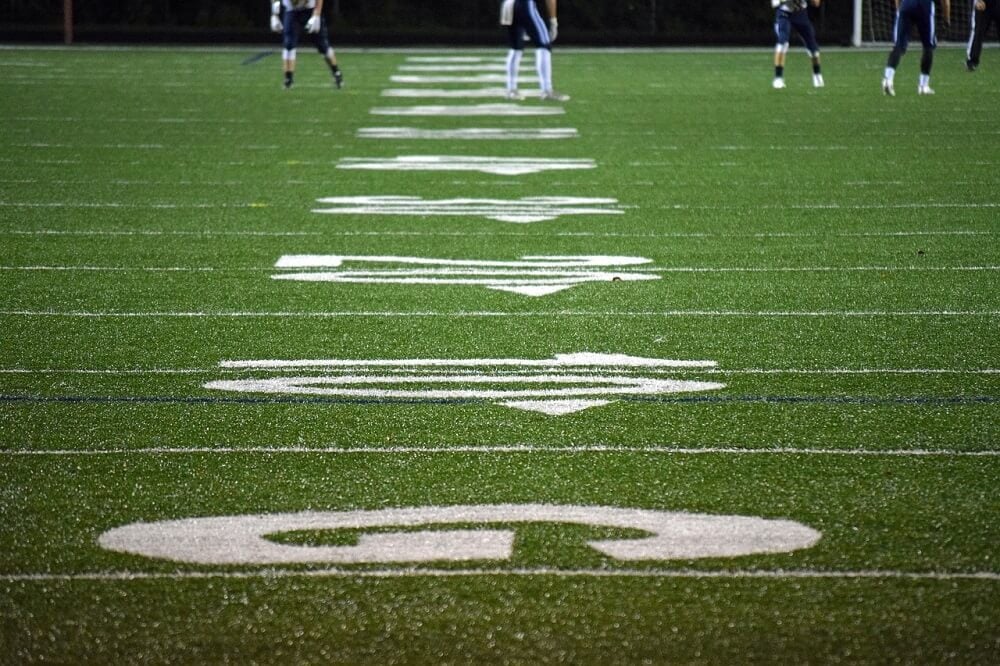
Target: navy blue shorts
x,y
295,24
785,21
528,22
919,13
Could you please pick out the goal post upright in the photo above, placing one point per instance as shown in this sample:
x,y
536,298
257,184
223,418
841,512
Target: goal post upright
x,y
68,21
855,29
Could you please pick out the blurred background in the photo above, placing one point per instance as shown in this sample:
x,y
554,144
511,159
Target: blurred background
x,y
413,22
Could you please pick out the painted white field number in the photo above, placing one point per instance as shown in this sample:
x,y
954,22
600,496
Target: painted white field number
x,y
243,539
529,276
560,385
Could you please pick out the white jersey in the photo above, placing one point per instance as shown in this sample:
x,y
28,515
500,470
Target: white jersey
x,y
298,4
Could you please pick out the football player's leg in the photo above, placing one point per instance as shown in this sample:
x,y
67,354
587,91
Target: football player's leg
x,y
290,41
539,34
808,35
782,33
322,42
515,38
928,38
901,40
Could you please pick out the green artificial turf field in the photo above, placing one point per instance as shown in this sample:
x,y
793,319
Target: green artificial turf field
x,y
682,370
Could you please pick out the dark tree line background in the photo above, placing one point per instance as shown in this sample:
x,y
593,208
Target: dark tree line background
x,y
370,22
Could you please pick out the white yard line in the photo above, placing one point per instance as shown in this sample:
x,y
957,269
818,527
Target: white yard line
x,y
500,449
140,232
487,314
711,371
667,269
749,574
431,233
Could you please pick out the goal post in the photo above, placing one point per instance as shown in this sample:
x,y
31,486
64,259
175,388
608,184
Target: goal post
x,y
873,21
68,21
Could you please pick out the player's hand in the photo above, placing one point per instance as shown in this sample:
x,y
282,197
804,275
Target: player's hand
x,y
312,25
275,24
553,29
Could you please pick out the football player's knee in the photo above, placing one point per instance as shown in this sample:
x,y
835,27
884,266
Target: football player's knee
x,y
288,54
781,48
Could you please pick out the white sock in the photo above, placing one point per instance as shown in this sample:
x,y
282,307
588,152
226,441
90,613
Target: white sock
x,y
543,63
890,74
513,64
925,80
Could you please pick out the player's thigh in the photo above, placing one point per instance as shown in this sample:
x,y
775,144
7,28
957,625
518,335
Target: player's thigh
x,y
782,28
805,29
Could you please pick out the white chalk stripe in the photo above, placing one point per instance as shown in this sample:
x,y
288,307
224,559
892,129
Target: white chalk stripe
x,y
452,93
468,110
506,448
446,59
582,359
520,218
457,78
294,366
413,572
467,133
503,166
456,67
458,314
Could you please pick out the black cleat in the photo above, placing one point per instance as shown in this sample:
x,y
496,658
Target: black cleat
x,y
338,79
971,66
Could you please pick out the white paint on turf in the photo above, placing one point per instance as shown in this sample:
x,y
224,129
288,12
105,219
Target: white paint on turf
x,y
553,395
468,110
468,133
577,360
458,78
415,572
531,276
501,166
456,67
457,93
535,386
519,211
242,539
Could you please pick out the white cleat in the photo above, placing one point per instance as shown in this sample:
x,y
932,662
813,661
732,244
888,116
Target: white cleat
x,y
887,88
514,96
778,84
925,90
818,81
553,96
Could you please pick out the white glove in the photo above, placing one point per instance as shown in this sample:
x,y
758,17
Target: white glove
x,y
312,25
775,3
276,24
553,29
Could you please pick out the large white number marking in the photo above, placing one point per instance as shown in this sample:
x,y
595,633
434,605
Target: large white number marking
x,y
531,276
243,539
519,211
538,385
